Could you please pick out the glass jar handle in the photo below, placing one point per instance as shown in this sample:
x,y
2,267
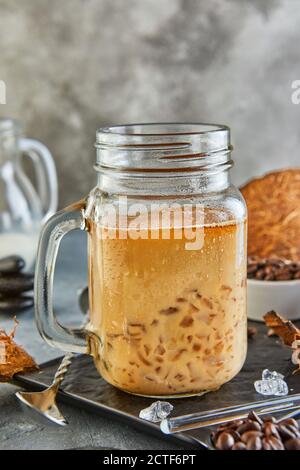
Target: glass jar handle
x,y
54,230
45,173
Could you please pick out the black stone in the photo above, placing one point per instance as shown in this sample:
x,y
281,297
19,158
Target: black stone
x,y
11,284
15,304
11,264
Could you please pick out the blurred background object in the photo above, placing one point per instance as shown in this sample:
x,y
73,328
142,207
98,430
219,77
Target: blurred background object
x,y
72,66
15,285
23,207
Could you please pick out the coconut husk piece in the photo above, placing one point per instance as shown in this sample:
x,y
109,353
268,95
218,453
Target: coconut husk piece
x,y
13,358
287,331
281,327
273,203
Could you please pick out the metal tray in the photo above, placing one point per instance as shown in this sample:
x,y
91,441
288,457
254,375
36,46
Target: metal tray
x,y
84,388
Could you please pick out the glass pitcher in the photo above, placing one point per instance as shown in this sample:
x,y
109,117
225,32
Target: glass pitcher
x,y
167,262
23,208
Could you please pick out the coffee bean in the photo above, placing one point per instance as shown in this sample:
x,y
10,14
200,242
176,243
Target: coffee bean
x,y
254,443
292,444
11,284
290,428
250,435
214,436
269,270
270,277
230,425
238,446
225,441
294,430
294,267
249,426
251,269
236,436
284,276
260,274
11,264
269,419
272,269
256,433
290,422
15,304
265,444
275,443
270,429
285,432
254,417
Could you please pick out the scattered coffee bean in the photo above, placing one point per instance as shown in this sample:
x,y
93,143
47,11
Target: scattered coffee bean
x,y
270,429
239,446
11,284
254,443
272,269
292,444
288,428
290,422
285,432
15,304
254,417
269,419
236,435
11,264
230,425
255,433
249,426
265,444
246,436
275,443
225,441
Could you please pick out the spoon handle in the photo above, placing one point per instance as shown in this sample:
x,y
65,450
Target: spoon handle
x,y
61,371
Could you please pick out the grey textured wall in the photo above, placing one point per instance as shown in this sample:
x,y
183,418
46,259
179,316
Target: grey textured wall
x,y
71,66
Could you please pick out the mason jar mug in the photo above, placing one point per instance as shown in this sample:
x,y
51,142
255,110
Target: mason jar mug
x,y
166,259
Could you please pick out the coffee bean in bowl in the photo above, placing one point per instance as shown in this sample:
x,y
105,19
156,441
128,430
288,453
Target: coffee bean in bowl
x,y
272,269
273,284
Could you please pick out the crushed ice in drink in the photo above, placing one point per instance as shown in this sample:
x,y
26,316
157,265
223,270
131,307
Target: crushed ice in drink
x,y
272,383
157,411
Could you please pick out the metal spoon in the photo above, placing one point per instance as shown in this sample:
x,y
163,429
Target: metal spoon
x,y
45,402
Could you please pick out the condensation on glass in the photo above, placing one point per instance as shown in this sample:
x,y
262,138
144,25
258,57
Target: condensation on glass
x,y
167,261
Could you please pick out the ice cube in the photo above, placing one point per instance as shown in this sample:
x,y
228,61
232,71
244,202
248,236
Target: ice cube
x,y
268,375
157,411
272,383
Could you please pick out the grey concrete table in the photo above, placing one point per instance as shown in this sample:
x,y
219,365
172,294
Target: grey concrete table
x,y
24,431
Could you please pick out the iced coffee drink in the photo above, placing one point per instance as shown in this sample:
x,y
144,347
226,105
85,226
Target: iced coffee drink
x,y
167,320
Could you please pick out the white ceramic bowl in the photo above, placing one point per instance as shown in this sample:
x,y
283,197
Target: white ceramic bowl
x,y
281,296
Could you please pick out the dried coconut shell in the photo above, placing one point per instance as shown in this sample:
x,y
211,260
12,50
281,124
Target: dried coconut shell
x,y
273,203
13,358
281,327
287,331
